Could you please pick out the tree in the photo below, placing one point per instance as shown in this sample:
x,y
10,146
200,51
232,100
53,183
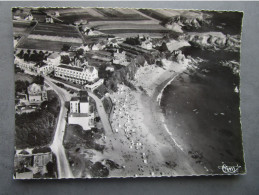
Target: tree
x,y
65,47
38,80
132,41
21,86
20,54
65,59
163,47
80,52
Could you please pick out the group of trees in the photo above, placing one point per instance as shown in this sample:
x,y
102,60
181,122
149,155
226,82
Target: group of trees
x,y
37,128
21,86
133,41
33,56
77,135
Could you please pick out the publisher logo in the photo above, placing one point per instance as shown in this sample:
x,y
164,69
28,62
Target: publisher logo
x,y
229,169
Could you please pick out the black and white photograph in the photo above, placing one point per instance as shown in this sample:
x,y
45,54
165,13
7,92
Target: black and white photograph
x,y
123,92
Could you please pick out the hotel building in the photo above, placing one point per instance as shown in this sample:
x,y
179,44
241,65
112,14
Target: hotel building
x,y
77,74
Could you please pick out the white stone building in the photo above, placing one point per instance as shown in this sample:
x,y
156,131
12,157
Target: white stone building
x,y
77,74
29,66
79,112
93,86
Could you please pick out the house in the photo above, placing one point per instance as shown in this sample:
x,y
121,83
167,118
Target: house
x,y
27,66
36,93
49,19
29,17
109,68
97,46
87,74
43,68
53,59
93,86
120,58
79,111
147,44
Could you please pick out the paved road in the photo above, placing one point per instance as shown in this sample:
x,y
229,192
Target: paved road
x,y
101,111
57,147
99,105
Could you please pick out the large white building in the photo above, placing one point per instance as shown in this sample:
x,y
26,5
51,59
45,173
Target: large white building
x,y
53,59
48,65
29,66
77,74
79,112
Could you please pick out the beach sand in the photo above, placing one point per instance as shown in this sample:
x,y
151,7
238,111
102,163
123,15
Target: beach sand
x,y
140,141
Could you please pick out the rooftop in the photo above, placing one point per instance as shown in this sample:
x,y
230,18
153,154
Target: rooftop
x,y
71,67
41,64
53,56
78,115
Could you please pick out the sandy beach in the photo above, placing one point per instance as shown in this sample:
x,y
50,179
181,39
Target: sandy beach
x,y
141,142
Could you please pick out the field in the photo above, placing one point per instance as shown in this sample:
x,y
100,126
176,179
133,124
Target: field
x,y
21,28
44,45
71,15
48,33
56,30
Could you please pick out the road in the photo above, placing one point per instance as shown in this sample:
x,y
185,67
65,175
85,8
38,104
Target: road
x,y
57,147
99,105
101,111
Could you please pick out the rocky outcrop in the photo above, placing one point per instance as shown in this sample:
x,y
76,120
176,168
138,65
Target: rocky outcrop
x,y
188,21
122,75
233,65
213,41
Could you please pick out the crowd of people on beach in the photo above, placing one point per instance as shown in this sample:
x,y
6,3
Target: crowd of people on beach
x,y
124,119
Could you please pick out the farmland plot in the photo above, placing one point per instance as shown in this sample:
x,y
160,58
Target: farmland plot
x,y
21,28
56,30
44,45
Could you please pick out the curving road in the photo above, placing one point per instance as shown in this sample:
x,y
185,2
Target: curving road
x,y
99,104
57,147
101,111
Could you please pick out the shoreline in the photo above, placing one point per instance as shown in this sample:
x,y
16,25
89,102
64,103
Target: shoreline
x,y
160,94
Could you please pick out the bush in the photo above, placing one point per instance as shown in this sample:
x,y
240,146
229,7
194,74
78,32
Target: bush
x,y
21,86
99,170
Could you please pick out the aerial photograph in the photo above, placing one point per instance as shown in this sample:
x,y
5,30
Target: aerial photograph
x,y
118,93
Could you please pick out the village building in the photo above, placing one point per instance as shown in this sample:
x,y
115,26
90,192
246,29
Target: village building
x,y
36,93
53,59
95,85
49,19
40,162
29,17
109,68
97,46
24,65
77,74
79,111
47,66
43,68
120,58
147,44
